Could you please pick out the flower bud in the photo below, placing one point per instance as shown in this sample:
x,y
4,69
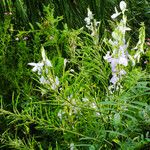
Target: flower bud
x,y
123,5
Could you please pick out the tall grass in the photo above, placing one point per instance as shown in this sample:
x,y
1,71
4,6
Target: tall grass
x,y
73,11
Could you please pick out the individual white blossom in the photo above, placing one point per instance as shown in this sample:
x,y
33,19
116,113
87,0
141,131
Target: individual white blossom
x,y
70,97
108,56
115,35
85,99
113,43
123,29
72,146
114,63
93,105
48,63
72,70
116,14
25,38
37,67
123,48
122,72
43,80
55,84
17,39
123,61
114,79
123,6
60,114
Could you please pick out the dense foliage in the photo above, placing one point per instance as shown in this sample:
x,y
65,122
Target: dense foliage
x,y
80,81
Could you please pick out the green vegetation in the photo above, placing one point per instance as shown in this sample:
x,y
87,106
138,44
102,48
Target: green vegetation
x,y
74,75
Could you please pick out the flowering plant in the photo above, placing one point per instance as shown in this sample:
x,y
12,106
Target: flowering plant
x,y
119,57
92,25
44,70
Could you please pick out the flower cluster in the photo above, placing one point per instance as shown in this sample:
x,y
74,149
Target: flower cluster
x,y
140,45
92,25
43,68
73,106
118,59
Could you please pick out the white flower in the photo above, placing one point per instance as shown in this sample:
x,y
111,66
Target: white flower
x,y
114,62
123,48
122,72
72,146
108,56
72,70
115,35
43,80
17,39
113,43
89,17
60,114
55,84
85,99
123,5
87,20
123,61
93,105
116,14
25,38
114,79
37,67
70,97
123,29
48,63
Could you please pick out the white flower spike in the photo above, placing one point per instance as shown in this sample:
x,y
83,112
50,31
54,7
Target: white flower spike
x,y
90,15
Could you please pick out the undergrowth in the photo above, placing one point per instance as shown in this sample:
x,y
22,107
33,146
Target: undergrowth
x,y
82,93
